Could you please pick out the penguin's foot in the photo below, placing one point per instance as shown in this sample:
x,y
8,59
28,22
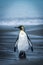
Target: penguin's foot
x,y
22,55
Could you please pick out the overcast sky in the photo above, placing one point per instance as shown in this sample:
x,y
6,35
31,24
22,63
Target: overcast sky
x,y
21,9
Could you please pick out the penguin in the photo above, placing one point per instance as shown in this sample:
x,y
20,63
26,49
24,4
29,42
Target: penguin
x,y
22,43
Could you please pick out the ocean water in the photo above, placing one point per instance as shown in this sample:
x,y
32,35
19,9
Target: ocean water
x,y
8,35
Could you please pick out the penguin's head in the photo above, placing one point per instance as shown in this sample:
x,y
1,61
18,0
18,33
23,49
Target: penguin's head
x,y
21,27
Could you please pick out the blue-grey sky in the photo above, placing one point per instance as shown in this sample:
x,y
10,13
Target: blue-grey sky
x,y
21,8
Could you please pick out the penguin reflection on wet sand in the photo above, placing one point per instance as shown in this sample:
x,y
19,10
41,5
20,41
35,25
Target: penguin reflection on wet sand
x,y
23,43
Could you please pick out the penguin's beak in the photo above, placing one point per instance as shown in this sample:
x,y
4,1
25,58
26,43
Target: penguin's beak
x,y
16,27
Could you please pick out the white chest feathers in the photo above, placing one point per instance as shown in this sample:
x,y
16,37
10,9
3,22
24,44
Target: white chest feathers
x,y
22,41
22,35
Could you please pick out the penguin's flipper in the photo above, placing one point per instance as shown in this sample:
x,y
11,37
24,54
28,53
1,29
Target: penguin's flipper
x,y
32,49
14,49
15,46
30,43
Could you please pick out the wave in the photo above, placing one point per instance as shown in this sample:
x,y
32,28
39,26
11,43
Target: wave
x,y
22,22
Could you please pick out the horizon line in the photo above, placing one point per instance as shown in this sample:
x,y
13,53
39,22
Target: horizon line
x,y
21,18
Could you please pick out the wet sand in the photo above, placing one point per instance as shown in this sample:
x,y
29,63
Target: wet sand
x,y
7,55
